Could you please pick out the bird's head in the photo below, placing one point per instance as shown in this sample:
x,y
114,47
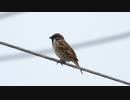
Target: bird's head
x,y
56,37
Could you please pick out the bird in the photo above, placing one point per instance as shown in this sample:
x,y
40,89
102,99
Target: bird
x,y
63,50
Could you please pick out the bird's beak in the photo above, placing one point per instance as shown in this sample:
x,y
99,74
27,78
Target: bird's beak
x,y
50,37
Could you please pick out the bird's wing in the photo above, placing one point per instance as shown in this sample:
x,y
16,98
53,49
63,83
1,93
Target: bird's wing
x,y
64,46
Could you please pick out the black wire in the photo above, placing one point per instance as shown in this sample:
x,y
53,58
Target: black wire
x,y
53,59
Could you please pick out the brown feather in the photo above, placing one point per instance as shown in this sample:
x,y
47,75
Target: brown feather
x,y
64,46
63,50
66,50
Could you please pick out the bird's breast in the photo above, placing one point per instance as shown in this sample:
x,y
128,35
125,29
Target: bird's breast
x,y
60,53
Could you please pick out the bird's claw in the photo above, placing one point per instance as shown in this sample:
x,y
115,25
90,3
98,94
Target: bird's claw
x,y
61,62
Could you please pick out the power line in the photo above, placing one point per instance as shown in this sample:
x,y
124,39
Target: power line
x,y
55,60
9,14
103,40
83,44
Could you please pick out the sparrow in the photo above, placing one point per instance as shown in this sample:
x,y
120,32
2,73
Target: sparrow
x,y
63,50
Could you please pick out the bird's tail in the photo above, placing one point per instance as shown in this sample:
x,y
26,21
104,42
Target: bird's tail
x,y
78,65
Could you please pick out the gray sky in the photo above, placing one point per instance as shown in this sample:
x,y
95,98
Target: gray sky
x,y
31,30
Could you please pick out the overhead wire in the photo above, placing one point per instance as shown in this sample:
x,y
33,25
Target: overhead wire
x,y
5,15
84,44
55,60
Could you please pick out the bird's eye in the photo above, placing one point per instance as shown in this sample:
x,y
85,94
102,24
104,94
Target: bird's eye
x,y
56,38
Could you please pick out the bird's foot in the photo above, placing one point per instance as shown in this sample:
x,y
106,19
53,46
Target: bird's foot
x,y
61,62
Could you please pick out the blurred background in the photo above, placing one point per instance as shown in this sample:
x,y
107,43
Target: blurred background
x,y
101,41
